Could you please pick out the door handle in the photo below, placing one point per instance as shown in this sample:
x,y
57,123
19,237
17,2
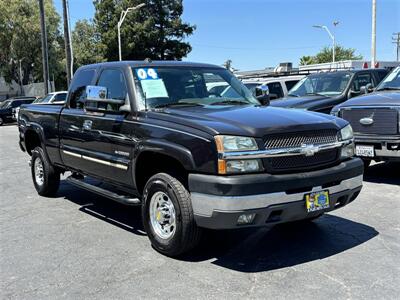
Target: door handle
x,y
87,125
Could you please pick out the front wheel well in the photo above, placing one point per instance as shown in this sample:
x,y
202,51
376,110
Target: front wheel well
x,y
151,163
32,140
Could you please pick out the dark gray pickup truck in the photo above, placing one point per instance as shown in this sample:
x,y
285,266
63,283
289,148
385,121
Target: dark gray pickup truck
x,y
375,119
154,134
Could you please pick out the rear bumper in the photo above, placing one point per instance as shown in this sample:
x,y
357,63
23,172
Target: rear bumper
x,y
386,147
218,201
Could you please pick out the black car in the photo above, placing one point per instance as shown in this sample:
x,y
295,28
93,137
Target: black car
x,y
151,134
320,92
375,119
7,108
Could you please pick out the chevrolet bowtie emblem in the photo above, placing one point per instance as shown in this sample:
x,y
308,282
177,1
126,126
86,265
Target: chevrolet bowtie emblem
x,y
367,120
309,150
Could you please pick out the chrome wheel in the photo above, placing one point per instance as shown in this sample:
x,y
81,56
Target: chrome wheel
x,y
162,215
39,171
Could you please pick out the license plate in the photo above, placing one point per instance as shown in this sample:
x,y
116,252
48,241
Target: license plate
x,y
365,151
317,201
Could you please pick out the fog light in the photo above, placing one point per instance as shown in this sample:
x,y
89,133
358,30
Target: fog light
x,y
245,219
347,151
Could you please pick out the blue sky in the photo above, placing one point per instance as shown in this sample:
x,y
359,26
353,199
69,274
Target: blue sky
x,y
258,33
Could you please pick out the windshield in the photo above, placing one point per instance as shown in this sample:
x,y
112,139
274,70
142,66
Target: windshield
x,y
169,86
230,92
5,104
326,84
392,81
46,99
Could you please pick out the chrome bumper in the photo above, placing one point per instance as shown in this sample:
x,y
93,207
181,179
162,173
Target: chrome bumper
x,y
205,204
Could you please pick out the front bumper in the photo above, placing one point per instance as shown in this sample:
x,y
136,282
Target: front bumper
x,y
218,201
386,147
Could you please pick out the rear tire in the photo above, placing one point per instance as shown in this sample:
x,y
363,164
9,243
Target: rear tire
x,y
168,216
46,178
1,121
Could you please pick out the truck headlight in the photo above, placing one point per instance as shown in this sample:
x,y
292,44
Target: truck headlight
x,y
346,133
229,143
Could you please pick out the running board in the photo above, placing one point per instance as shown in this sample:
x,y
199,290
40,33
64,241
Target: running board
x,y
103,192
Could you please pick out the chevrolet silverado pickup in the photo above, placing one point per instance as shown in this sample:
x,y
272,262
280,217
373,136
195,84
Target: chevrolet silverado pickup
x,y
375,119
155,135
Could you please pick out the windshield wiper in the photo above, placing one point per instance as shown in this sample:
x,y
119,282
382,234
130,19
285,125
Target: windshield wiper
x,y
389,88
177,104
293,95
316,94
233,102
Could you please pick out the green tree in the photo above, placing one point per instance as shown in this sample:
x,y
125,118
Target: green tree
x,y
87,46
155,31
20,40
325,55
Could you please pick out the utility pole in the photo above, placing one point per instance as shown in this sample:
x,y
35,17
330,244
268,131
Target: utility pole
x,y
67,42
332,38
373,37
45,56
396,40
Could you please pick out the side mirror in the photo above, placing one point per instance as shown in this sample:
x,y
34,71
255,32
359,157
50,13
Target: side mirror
x,y
96,100
262,94
366,89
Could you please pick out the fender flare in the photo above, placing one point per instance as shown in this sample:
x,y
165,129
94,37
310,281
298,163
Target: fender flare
x,y
175,151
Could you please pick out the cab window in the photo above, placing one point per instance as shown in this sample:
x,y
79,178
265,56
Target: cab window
x,y
114,81
77,90
361,80
275,88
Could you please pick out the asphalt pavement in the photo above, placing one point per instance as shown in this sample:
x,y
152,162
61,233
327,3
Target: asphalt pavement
x,y
81,246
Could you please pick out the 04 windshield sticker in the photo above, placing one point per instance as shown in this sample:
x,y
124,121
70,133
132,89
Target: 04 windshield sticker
x,y
152,85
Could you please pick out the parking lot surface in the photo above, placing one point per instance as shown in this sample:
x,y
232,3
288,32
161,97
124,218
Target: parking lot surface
x,y
81,246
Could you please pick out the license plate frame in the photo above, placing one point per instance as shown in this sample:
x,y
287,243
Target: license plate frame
x,y
316,201
365,151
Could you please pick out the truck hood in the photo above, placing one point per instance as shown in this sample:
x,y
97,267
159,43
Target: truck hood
x,y
249,120
374,99
298,102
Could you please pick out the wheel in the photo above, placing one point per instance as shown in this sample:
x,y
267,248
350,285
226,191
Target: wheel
x,y
1,121
366,164
46,178
168,216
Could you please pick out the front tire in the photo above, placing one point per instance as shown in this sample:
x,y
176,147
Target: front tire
x,y
168,216
46,178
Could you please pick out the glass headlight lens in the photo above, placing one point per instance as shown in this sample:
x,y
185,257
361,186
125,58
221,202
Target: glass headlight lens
x,y
243,166
228,143
346,133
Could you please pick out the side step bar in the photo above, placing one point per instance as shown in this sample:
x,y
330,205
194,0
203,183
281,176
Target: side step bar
x,y
103,192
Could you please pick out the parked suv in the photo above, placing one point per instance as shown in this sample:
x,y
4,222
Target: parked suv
x,y
375,119
8,107
278,87
152,135
322,91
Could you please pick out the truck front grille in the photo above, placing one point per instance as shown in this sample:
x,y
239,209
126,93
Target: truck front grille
x,y
296,139
385,120
301,162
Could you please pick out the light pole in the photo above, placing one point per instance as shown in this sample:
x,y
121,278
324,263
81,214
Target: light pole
x,y
331,36
121,20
